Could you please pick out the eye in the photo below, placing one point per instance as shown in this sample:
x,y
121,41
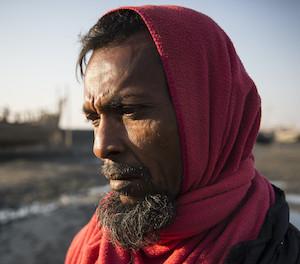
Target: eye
x,y
131,111
94,118
96,122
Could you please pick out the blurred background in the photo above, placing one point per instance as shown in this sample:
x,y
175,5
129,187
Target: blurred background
x,y
49,180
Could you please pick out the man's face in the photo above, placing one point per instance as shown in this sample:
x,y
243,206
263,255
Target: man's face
x,y
135,127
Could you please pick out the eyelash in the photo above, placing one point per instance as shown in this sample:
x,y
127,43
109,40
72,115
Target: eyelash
x,y
93,118
130,111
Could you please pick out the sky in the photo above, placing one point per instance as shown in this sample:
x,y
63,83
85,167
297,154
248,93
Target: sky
x,y
39,48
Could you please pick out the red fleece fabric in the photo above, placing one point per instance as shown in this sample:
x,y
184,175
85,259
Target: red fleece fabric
x,y
224,199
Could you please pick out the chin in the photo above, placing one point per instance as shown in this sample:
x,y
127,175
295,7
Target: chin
x,y
131,195
127,219
126,199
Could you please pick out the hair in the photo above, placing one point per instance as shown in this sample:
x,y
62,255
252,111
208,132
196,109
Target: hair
x,y
110,30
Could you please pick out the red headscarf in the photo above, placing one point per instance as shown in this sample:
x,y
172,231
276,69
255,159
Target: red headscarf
x,y
223,200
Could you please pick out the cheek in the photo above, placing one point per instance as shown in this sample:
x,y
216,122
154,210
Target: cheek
x,y
155,142
157,146
143,134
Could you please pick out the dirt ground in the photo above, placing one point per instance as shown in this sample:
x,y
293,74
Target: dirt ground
x,y
42,239
43,177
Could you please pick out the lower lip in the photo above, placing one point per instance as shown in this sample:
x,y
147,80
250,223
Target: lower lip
x,y
129,185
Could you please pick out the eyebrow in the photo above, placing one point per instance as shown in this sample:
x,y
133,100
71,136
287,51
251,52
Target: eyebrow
x,y
115,102
87,110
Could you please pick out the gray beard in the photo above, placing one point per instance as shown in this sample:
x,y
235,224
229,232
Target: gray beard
x,y
138,225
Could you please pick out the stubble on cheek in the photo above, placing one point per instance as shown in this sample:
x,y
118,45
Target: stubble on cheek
x,y
161,147
155,144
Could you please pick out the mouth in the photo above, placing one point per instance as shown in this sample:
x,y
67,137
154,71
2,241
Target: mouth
x,y
130,181
131,187
125,185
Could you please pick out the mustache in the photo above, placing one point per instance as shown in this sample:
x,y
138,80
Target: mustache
x,y
116,170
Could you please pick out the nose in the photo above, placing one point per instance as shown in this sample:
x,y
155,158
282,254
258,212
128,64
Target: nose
x,y
107,137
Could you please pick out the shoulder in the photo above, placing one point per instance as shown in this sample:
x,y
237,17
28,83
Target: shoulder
x,y
278,241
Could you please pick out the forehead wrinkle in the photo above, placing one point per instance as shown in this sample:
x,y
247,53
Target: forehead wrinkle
x,y
128,76
103,100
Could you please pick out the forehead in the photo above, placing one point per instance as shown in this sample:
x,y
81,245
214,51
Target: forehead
x,y
134,64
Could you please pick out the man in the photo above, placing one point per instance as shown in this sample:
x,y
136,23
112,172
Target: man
x,y
175,118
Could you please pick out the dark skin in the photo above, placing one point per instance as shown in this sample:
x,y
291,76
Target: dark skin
x,y
127,99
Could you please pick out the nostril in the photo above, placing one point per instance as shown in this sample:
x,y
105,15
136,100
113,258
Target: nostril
x,y
107,149
112,153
